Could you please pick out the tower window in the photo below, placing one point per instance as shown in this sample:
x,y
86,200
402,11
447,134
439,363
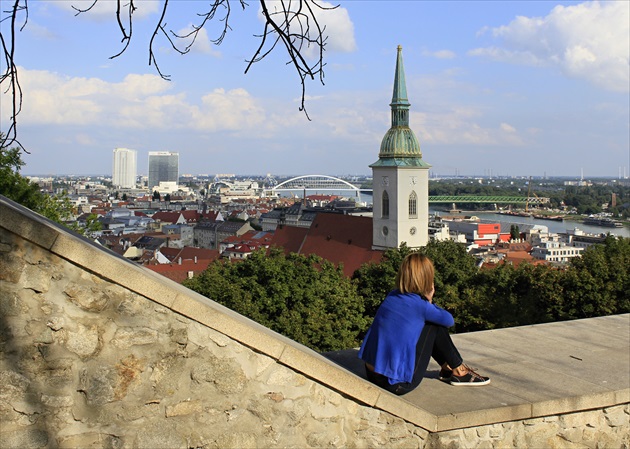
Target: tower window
x,y
413,205
385,204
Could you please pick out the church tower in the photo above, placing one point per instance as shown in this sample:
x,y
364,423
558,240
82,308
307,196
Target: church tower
x,y
400,178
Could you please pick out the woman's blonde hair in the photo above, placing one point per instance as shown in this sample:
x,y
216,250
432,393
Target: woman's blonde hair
x,y
415,275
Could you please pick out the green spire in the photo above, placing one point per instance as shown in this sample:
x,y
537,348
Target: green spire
x,y
400,102
400,146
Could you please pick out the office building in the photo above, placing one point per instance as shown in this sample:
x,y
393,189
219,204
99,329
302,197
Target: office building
x,y
125,170
163,167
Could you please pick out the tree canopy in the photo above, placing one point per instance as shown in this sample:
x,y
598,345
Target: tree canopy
x,y
302,297
309,300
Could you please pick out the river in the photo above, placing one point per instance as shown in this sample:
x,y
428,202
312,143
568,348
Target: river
x,y
553,226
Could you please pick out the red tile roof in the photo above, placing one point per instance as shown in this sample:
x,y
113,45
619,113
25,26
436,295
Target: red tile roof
x,y
337,238
179,272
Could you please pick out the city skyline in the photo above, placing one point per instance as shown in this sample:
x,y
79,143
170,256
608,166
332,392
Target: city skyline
x,y
500,88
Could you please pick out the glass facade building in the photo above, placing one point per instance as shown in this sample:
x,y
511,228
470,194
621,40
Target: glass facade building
x,y
163,167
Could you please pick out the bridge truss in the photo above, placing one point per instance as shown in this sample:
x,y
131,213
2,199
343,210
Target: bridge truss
x,y
487,199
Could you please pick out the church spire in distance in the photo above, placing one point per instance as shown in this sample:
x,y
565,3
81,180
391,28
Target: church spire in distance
x,y
400,146
400,104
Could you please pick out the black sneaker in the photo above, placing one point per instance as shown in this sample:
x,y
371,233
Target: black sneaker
x,y
470,379
445,374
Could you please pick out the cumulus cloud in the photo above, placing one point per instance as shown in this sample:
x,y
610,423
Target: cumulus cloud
x,y
138,101
460,126
202,42
590,41
105,9
339,28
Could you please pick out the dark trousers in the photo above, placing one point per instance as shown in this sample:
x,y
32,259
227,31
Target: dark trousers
x,y
434,341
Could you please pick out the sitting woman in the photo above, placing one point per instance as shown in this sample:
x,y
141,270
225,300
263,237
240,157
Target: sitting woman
x,y
408,329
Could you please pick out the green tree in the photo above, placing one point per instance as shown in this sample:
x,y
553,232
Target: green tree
x,y
375,280
25,192
515,232
13,185
156,196
302,297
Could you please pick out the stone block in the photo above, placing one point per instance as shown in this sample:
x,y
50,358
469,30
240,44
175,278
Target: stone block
x,y
57,401
27,224
37,277
84,341
160,439
91,298
126,337
24,438
397,406
617,417
324,371
225,374
184,408
226,321
11,268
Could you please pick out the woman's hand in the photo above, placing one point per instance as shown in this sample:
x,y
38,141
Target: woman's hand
x,y
430,294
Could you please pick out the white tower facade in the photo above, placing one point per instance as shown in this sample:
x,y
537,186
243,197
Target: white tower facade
x,y
125,169
400,179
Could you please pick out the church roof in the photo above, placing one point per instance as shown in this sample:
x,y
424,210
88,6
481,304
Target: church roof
x,y
400,146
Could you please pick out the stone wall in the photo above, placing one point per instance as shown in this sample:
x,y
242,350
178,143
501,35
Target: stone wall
x,y
86,361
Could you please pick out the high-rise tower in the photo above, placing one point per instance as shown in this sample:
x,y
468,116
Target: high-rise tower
x,y
124,169
400,178
163,167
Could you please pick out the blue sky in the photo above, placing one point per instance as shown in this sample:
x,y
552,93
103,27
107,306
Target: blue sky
x,y
527,88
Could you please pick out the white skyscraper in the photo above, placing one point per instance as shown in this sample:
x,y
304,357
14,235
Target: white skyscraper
x,y
124,172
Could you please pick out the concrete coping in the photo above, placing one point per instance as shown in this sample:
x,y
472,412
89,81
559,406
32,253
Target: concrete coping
x,y
536,371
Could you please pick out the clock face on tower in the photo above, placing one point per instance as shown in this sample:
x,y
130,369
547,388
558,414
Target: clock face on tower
x,y
413,180
385,181
413,230
385,230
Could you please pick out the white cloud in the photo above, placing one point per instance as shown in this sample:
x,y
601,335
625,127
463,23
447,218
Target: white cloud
x,y
339,29
143,102
507,128
105,9
202,42
590,41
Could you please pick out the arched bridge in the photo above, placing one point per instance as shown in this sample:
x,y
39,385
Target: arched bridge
x,y
314,182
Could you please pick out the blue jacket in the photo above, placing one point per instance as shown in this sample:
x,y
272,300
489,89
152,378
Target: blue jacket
x,y
390,342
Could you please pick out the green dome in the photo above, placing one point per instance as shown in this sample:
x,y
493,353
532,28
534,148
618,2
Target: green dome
x,y
400,141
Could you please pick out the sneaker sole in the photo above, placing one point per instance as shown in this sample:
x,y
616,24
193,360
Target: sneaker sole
x,y
470,384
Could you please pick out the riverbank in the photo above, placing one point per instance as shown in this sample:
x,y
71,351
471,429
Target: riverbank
x,y
568,223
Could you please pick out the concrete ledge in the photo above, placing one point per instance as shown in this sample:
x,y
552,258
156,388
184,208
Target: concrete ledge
x,y
536,371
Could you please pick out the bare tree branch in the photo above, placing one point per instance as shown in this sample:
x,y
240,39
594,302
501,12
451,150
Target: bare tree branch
x,y
10,75
293,24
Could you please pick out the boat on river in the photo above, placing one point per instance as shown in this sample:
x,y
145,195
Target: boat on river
x,y
602,221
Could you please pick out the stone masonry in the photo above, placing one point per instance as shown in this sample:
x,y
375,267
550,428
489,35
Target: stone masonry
x,y
88,363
